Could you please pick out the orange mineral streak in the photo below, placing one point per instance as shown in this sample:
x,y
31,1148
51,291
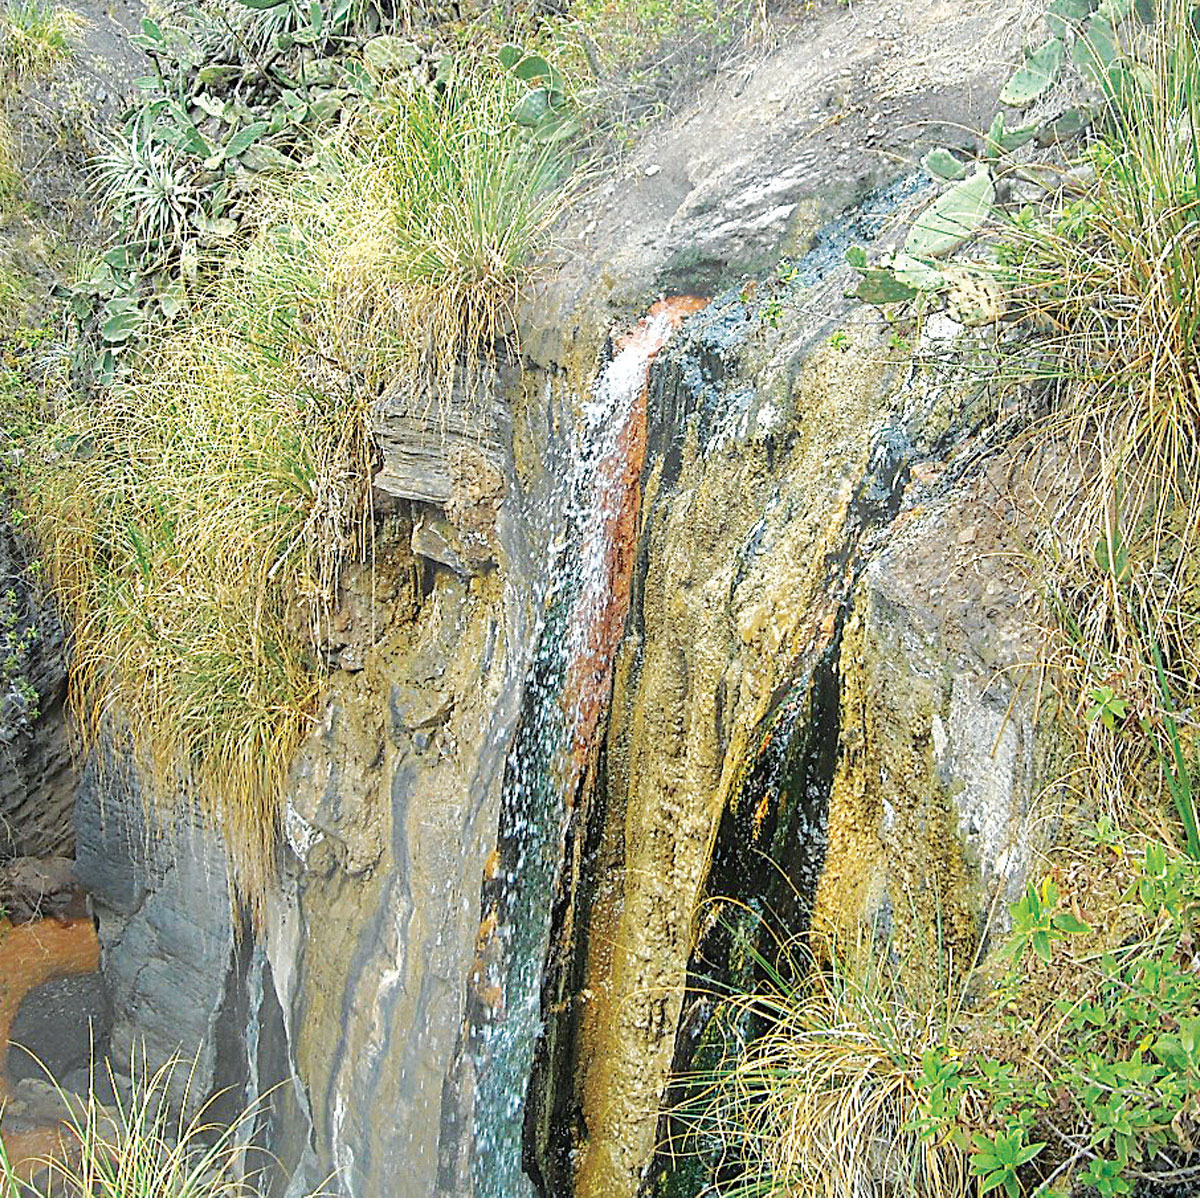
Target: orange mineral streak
x,y
589,679
34,953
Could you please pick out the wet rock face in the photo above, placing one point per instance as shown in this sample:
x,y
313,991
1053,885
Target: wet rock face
x,y
174,968
32,888
37,778
805,508
774,467
748,503
394,807
62,1026
943,792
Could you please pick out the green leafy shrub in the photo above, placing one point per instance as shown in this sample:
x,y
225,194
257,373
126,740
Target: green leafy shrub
x,y
1111,1084
1079,1065
181,174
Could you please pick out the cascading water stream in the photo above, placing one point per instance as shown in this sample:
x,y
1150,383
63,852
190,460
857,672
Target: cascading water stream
x,y
566,693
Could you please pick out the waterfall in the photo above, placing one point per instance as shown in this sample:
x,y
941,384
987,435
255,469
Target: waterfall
x,y
566,693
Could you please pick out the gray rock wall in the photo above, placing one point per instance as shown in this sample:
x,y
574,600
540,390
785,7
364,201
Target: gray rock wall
x,y
394,802
182,973
37,776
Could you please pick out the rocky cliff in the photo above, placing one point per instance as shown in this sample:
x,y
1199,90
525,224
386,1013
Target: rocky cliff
x,y
813,701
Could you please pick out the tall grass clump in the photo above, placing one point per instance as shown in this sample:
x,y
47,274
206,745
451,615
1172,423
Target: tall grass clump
x,y
1111,275
144,1144
34,36
464,195
8,162
195,518
820,1089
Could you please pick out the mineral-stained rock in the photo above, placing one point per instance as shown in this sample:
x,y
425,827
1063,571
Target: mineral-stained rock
x,y
739,592
392,812
945,785
411,764
779,537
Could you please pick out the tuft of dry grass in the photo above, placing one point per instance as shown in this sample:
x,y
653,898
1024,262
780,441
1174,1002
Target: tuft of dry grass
x,y
194,522
8,161
462,200
144,1145
1110,276
195,517
34,37
820,1093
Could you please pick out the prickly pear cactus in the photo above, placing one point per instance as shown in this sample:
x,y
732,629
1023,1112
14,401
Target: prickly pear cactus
x,y
953,217
1037,73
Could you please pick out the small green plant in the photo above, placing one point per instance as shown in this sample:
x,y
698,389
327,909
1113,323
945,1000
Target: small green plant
x,y
1109,708
1106,1176
1124,1046
1174,762
34,36
940,1094
180,177
996,1160
17,639
839,339
1038,921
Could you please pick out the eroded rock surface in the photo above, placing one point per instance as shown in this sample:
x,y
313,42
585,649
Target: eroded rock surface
x,y
949,779
37,777
767,154
777,450
394,808
766,449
